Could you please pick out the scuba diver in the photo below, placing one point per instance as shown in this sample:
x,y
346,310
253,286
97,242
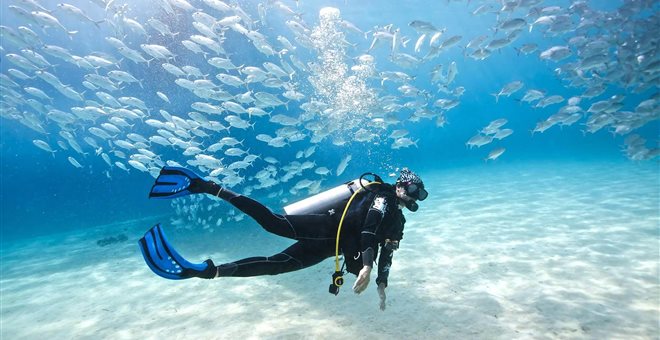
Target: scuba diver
x,y
352,219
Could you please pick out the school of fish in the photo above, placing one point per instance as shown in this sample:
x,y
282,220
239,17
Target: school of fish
x,y
218,69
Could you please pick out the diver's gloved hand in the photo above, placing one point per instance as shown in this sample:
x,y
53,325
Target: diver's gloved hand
x,y
381,295
208,273
362,280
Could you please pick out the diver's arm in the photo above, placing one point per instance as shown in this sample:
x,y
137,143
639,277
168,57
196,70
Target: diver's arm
x,y
384,264
368,242
370,226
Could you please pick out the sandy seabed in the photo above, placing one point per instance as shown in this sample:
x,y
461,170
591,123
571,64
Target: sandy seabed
x,y
501,251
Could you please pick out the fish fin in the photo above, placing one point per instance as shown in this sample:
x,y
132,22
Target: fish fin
x,y
97,23
373,43
584,132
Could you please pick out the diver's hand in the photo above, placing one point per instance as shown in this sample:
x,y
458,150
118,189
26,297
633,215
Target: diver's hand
x,y
362,280
381,295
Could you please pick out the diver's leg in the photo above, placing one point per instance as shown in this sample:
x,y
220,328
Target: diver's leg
x,y
301,254
270,221
297,227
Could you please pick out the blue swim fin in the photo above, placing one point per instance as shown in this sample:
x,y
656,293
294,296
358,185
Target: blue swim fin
x,y
174,182
165,261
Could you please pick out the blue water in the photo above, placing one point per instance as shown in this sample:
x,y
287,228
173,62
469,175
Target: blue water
x,y
41,194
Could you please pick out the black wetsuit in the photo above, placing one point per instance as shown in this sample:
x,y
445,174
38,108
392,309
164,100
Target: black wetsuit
x,y
372,218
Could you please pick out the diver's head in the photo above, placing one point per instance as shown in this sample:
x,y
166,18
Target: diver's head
x,y
410,188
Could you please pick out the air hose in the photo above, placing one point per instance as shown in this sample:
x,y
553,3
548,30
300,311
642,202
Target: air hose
x,y
338,276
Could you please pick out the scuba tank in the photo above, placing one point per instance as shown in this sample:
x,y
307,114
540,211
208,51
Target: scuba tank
x,y
330,199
